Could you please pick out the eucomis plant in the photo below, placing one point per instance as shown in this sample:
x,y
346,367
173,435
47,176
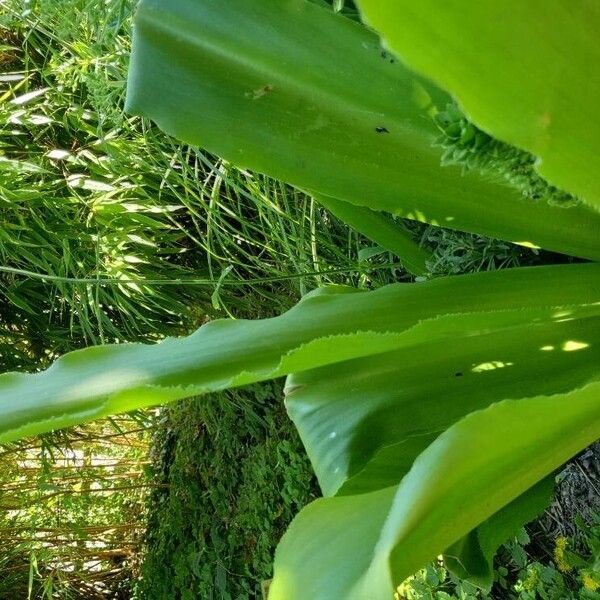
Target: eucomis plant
x,y
434,413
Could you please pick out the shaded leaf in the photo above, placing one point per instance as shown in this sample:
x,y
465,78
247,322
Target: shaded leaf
x,y
472,470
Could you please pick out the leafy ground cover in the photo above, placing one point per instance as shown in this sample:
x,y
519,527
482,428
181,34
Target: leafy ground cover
x,y
94,205
236,474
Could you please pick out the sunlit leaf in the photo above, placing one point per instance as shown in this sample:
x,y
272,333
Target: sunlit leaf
x,y
476,467
527,72
293,90
472,557
364,421
328,327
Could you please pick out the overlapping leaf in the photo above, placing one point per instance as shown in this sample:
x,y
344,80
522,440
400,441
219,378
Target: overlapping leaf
x,y
295,91
332,326
381,229
527,72
365,422
476,467
426,409
472,557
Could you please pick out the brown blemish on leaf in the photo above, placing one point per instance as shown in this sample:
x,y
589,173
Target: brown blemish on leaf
x,y
260,92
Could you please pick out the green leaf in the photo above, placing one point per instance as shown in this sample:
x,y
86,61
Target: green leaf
x,y
526,72
472,470
302,94
368,422
383,230
472,557
327,327
364,421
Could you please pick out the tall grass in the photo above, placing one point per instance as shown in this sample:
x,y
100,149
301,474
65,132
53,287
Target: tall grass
x,y
101,203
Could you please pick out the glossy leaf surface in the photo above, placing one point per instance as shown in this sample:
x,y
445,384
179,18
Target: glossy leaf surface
x,y
364,421
526,72
292,90
378,377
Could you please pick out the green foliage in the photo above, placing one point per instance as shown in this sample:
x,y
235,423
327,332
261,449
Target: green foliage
x,y
71,511
466,145
429,411
353,124
165,232
522,84
436,583
386,530
327,327
172,214
456,253
565,574
235,474
382,229
68,159
418,339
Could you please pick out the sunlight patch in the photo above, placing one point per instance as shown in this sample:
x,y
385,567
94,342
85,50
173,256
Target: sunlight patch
x,y
490,366
572,346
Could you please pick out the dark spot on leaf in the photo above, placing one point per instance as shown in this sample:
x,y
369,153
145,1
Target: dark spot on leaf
x,y
459,374
381,130
385,56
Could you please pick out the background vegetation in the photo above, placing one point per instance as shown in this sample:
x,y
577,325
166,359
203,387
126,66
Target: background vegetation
x,y
111,231
72,511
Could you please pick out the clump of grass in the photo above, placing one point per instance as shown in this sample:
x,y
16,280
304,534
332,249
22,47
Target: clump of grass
x,y
77,202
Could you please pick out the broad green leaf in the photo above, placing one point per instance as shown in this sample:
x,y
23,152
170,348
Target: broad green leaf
x,y
364,421
526,72
293,90
479,465
383,230
324,328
